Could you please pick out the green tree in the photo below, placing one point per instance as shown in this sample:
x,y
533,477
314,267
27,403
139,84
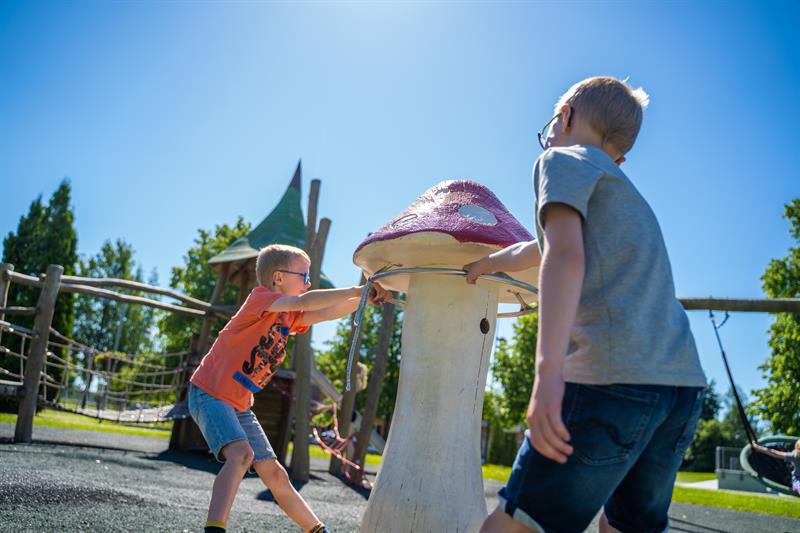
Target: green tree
x,y
711,402
113,326
779,402
196,278
45,236
332,360
513,367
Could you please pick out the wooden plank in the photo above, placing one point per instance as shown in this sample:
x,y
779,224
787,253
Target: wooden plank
x,y
17,311
772,305
31,281
38,351
5,285
137,286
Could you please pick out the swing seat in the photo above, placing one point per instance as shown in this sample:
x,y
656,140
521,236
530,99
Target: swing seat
x,y
773,472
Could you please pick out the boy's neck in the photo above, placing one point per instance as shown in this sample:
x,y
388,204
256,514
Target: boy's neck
x,y
587,137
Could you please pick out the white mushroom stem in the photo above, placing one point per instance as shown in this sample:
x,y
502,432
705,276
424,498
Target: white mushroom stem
x,y
430,479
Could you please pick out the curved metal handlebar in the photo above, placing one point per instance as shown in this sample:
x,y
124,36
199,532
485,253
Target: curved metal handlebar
x,y
525,309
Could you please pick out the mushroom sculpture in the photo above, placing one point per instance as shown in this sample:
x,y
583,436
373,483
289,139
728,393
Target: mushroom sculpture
x,y
430,478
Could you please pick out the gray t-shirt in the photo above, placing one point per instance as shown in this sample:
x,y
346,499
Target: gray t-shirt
x,y
630,327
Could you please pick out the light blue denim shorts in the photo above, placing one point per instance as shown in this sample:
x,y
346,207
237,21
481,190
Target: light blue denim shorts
x,y
221,424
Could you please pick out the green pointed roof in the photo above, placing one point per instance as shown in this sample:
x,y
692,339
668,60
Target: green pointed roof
x,y
284,225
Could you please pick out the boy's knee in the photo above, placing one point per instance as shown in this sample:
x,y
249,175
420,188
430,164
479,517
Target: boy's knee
x,y
239,453
274,474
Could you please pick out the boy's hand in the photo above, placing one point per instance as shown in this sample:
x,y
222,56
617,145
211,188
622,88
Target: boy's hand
x,y
548,435
477,268
378,295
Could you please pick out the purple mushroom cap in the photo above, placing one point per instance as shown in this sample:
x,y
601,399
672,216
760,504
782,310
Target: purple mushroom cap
x,y
463,209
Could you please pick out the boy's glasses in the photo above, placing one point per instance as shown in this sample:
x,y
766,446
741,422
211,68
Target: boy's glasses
x,y
545,133
306,275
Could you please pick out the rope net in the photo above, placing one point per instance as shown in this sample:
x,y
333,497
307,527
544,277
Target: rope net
x,y
118,387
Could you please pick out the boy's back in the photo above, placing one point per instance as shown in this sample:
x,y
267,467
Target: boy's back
x,y
629,326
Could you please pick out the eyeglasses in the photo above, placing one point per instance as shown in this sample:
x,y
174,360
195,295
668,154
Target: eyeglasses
x,y
545,133
306,276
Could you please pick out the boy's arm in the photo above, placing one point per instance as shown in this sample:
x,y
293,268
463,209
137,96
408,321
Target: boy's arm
x,y
331,312
519,256
560,281
377,295
314,300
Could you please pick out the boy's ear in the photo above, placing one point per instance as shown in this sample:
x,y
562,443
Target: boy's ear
x,y
277,278
566,118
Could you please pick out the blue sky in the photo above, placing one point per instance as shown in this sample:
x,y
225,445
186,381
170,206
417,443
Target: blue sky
x,y
169,117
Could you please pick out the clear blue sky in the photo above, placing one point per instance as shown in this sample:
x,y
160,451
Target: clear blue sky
x,y
169,117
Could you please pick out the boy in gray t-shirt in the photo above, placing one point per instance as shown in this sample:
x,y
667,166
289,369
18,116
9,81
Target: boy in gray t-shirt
x,y
618,386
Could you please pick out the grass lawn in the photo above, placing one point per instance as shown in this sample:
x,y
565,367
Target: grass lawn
x,y
694,477
740,501
62,419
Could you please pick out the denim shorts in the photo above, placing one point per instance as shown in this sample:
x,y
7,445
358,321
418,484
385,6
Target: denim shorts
x,y
628,442
221,424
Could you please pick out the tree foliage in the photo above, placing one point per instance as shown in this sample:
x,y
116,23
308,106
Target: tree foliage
x,y
779,402
44,236
108,325
332,360
513,367
197,278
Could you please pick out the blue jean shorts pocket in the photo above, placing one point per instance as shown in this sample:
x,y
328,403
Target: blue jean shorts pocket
x,y
687,434
606,421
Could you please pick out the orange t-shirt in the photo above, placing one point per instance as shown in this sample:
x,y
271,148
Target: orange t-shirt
x,y
248,350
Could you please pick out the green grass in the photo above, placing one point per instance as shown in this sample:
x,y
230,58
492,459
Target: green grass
x,y
739,501
496,472
694,477
61,419
319,453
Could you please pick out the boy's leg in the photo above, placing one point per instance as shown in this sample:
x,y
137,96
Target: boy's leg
x,y
227,440
642,500
499,522
277,481
238,458
274,475
608,425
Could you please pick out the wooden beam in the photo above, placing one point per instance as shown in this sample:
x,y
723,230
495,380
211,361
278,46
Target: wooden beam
x,y
136,286
216,296
5,285
772,305
31,281
14,310
38,352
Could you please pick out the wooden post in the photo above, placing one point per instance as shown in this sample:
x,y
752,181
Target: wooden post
x,y
5,285
374,388
348,400
38,353
216,296
303,365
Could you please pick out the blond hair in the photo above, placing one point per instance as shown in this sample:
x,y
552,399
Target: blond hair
x,y
273,258
610,107
797,447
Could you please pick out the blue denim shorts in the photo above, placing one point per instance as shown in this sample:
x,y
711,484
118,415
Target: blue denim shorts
x,y
221,424
628,442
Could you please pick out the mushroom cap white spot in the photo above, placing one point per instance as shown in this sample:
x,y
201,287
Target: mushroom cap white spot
x,y
477,214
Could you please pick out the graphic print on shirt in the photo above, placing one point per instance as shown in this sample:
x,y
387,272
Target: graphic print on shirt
x,y
264,358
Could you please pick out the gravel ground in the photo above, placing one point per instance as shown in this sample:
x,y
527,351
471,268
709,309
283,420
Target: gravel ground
x,y
71,480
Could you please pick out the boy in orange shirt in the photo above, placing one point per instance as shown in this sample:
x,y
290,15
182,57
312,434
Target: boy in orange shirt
x,y
244,357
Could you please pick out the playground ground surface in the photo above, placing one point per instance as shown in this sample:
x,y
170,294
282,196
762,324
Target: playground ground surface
x,y
77,480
